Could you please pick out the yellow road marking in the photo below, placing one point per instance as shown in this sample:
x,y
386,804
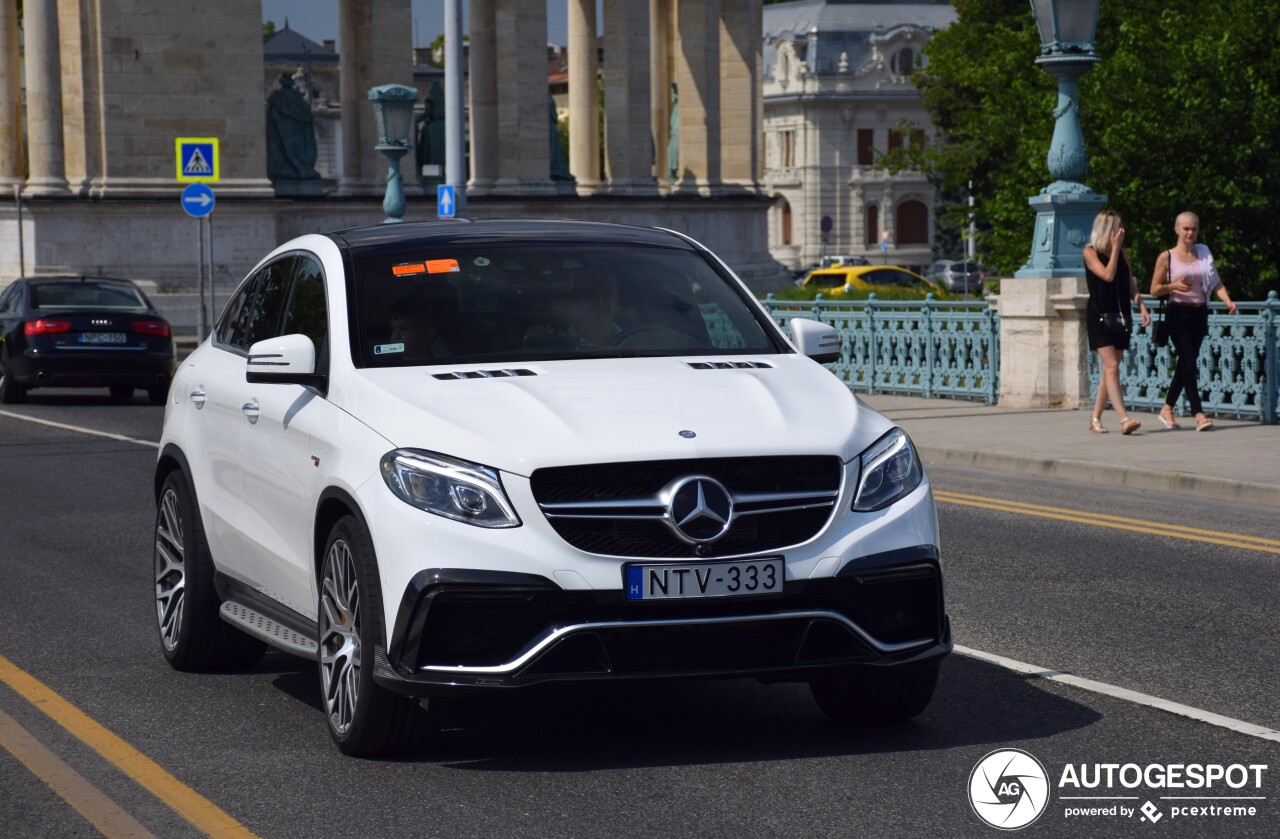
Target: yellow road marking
x,y
188,803
1233,540
97,809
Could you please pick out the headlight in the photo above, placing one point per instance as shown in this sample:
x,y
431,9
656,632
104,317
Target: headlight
x,y
448,487
890,469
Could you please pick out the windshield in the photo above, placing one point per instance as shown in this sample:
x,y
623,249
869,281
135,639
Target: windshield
x,y
513,302
87,295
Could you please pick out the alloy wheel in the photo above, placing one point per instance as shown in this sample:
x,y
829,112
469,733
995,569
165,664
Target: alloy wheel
x,y
340,636
170,569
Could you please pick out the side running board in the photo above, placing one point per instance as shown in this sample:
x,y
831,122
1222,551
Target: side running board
x,y
267,629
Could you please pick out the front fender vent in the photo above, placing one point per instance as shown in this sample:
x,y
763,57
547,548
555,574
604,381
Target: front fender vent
x,y
504,373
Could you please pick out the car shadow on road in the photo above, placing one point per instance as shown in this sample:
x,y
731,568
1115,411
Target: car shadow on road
x,y
596,726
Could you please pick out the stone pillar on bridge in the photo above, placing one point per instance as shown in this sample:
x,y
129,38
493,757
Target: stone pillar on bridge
x,y
1044,349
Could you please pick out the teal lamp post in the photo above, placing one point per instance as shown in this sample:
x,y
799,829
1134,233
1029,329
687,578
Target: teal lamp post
x,y
393,109
1065,208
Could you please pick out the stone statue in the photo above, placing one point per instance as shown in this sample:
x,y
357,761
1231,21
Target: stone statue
x,y
430,142
673,136
559,164
291,136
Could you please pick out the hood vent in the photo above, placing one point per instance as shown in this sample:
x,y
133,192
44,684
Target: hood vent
x,y
485,374
728,365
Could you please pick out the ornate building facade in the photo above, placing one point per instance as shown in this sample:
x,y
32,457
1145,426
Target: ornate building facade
x,y
837,96
110,85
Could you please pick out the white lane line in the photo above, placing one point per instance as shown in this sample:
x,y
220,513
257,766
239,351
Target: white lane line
x,y
93,431
1209,717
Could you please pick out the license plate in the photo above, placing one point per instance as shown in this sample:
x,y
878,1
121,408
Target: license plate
x,y
704,579
103,338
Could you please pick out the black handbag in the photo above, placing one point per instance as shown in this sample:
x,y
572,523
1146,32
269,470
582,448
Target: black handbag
x,y
1160,334
1115,324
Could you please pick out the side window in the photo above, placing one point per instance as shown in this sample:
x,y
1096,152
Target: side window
x,y
263,318
231,328
306,313
9,300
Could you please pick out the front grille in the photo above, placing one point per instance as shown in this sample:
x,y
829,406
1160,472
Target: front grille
x,y
781,501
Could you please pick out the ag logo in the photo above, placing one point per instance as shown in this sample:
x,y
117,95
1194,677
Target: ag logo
x,y
1008,789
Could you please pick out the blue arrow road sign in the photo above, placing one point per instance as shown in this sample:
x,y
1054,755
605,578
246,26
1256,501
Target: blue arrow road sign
x,y
197,200
444,201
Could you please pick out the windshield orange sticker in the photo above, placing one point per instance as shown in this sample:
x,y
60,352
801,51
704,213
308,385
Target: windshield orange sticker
x,y
409,268
442,266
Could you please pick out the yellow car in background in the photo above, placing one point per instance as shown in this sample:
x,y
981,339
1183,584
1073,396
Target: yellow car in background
x,y
834,282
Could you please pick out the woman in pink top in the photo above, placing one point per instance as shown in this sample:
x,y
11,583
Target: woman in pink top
x,y
1187,276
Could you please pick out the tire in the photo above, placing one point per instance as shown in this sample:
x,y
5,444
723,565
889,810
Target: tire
x,y
120,393
12,392
875,694
156,394
364,718
192,635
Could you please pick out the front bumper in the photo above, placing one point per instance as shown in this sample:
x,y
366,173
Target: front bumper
x,y
459,628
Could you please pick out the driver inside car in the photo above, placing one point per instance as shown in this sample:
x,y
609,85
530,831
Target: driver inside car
x,y
587,314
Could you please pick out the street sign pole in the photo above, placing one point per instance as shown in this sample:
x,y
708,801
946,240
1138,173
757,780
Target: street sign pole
x,y
22,256
213,307
454,135
201,323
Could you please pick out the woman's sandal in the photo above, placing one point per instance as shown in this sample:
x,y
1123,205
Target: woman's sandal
x,y
1128,426
1167,420
1095,425
1203,423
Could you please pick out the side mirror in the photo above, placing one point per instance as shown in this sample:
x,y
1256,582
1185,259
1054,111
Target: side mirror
x,y
817,340
287,360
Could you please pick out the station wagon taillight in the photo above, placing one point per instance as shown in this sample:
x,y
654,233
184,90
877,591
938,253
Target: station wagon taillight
x,y
45,327
151,327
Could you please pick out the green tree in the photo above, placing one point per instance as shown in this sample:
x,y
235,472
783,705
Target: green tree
x,y
268,29
1183,112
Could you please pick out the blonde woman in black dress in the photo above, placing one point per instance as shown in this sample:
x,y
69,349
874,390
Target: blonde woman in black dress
x,y
1112,291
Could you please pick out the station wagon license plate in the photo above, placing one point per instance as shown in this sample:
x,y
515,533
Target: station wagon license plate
x,y
103,338
703,579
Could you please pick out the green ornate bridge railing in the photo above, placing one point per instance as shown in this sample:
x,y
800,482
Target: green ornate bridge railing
x,y
1237,367
923,348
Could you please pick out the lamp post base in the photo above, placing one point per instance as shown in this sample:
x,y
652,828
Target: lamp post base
x,y
1064,220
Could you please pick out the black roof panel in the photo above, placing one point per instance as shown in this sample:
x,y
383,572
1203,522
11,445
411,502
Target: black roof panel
x,y
542,231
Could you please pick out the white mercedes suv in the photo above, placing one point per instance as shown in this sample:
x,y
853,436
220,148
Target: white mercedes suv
x,y
466,456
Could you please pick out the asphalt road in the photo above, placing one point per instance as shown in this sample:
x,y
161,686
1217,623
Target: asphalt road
x,y
1187,621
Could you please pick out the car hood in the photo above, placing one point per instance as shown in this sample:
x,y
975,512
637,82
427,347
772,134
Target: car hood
x,y
603,411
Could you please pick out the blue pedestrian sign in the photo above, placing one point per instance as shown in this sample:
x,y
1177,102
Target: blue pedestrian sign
x,y
445,203
197,159
197,200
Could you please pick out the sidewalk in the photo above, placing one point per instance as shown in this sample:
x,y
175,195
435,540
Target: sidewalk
x,y
1237,461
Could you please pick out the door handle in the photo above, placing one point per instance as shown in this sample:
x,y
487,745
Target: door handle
x,y
250,410
198,398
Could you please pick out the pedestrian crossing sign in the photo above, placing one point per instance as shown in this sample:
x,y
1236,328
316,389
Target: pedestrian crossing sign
x,y
197,159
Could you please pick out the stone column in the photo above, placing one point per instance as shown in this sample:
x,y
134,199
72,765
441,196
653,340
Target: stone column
x,y
584,135
1044,351
660,40
377,49
11,161
697,71
741,103
44,100
629,152
524,126
483,78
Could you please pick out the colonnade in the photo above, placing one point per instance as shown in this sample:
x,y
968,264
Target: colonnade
x,y
708,49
